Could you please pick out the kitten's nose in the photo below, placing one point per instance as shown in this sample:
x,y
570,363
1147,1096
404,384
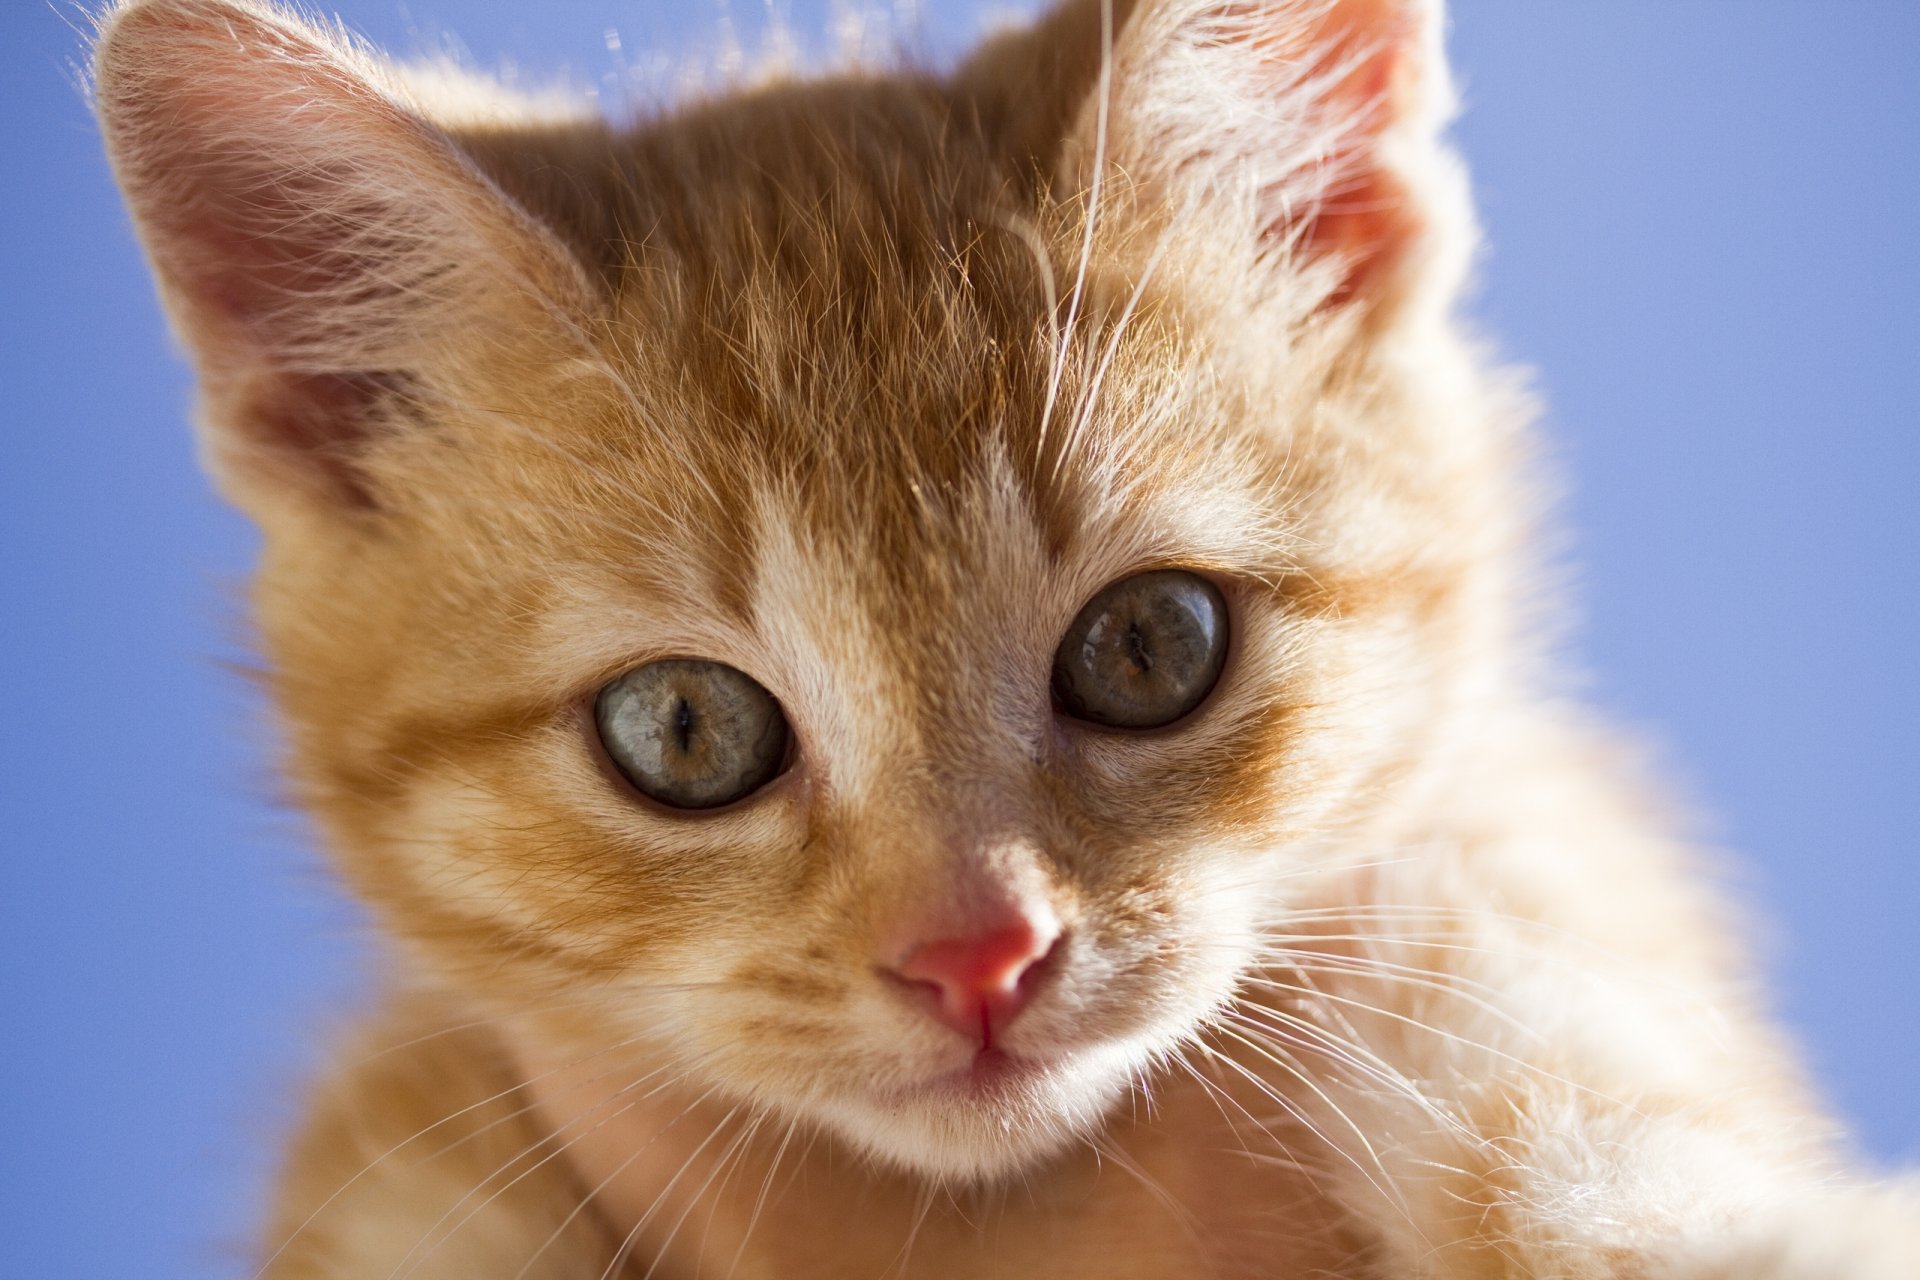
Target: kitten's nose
x,y
981,982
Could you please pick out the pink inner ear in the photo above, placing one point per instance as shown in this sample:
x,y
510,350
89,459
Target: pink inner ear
x,y
1364,54
320,420
264,250
300,222
276,268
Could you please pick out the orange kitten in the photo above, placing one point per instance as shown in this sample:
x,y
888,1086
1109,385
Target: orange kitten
x,y
938,677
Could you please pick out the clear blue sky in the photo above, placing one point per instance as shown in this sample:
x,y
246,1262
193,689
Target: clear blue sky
x,y
1703,220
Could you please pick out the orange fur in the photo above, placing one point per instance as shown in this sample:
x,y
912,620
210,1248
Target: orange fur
x,y
1377,965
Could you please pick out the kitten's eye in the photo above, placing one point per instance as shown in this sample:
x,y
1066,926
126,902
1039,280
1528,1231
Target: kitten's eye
x,y
690,734
1144,652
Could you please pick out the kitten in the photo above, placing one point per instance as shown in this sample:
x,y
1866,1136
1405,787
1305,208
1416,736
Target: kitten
x,y
941,677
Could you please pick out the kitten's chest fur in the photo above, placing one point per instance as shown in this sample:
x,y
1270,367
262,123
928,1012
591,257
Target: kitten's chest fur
x,y
1174,1194
585,1173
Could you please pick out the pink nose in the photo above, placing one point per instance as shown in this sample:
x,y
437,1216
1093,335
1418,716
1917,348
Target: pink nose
x,y
980,983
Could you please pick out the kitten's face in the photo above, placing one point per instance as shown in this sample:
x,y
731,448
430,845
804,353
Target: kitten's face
x,y
844,407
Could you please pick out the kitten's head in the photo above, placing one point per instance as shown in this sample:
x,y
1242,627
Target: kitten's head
x,y
880,589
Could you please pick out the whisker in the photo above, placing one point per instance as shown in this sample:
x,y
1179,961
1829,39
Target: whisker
x,y
1220,1098
1283,1154
726,1159
373,1164
593,1192
923,1205
1405,975
619,1259
1300,1033
1391,1196
1102,107
1269,1053
418,1258
469,1025
1090,398
1167,1200
760,1201
1318,994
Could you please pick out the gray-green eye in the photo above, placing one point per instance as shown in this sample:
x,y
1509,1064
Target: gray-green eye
x,y
1144,652
692,734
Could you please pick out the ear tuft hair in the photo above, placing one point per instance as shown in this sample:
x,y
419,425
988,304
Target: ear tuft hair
x,y
1311,128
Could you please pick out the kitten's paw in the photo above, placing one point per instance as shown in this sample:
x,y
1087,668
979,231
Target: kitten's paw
x,y
1869,1233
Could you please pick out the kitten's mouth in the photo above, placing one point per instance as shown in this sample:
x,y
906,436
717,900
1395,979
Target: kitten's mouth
x,y
993,1074
987,1117
993,1077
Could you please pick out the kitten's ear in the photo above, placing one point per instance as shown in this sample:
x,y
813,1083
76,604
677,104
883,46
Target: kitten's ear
x,y
1309,129
320,246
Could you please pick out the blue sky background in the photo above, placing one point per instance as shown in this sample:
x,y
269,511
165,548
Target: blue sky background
x,y
1703,227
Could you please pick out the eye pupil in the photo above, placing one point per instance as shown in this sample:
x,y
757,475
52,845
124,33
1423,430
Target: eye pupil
x,y
692,734
1143,652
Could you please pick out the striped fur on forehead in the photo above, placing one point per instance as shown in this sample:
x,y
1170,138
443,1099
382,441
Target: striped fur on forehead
x,y
864,294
